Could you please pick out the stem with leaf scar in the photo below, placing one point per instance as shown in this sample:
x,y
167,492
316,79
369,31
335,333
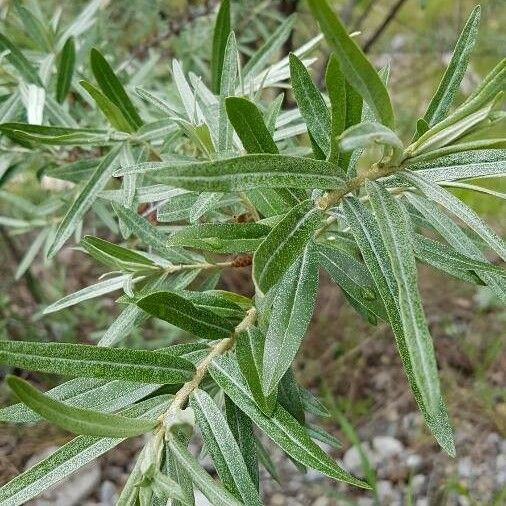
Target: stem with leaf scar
x,y
183,394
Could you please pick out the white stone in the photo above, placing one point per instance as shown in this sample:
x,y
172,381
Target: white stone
x,y
414,461
351,459
387,446
465,467
417,483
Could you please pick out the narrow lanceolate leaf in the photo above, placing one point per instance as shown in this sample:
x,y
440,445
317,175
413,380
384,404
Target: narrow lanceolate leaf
x,y
354,280
336,89
249,124
224,450
220,37
377,258
96,362
249,352
242,429
116,256
289,396
449,85
291,313
462,211
396,235
77,420
367,133
281,427
357,69
70,457
178,472
109,109
210,488
182,313
84,200
221,237
245,173
311,104
284,244
65,70
18,60
113,89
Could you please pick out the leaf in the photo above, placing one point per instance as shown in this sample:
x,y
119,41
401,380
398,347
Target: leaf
x,y
289,396
109,109
396,236
322,435
70,457
292,310
164,488
220,36
98,394
284,244
355,281
18,60
215,493
182,313
117,257
242,429
245,173
355,110
450,83
65,70
457,207
355,66
31,253
90,292
36,29
281,427
336,89
311,104
367,133
249,352
221,237
96,362
24,132
84,200
113,89
311,404
77,420
205,202
369,239
223,448
261,57
249,124
179,472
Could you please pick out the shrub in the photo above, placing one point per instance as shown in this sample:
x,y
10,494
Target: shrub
x,y
231,186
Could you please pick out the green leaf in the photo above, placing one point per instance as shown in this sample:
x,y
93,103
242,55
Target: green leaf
x,y
322,435
311,104
249,352
182,313
284,244
113,89
377,258
355,110
117,257
65,70
224,450
18,60
242,429
281,427
336,89
292,310
355,66
262,56
179,472
311,404
77,420
221,237
289,396
461,210
249,124
396,234
366,133
40,34
245,173
70,457
204,482
354,280
109,109
450,83
220,36
24,132
98,394
84,200
165,488
96,362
